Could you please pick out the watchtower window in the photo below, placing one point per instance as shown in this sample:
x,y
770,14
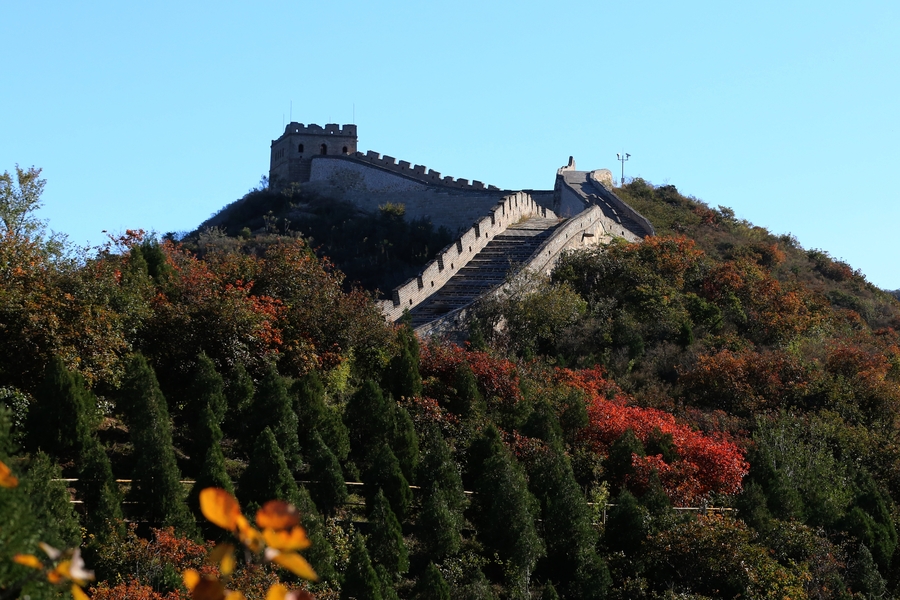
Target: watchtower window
x,y
345,150
323,149
300,148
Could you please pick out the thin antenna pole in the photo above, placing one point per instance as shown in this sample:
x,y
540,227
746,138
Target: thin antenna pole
x,y
354,113
292,111
622,158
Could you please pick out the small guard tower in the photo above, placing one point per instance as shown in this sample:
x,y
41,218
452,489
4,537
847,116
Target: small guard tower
x,y
293,152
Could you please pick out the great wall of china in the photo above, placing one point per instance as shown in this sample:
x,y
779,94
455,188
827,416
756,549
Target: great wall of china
x,y
501,232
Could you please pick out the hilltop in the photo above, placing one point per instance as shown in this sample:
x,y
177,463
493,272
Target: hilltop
x,y
711,412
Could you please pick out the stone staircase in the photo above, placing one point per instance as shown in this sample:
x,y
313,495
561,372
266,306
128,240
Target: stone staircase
x,y
488,269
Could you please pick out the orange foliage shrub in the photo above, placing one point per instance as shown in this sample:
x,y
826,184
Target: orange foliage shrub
x,y
706,463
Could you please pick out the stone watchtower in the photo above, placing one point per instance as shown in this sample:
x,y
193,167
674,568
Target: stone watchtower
x,y
292,153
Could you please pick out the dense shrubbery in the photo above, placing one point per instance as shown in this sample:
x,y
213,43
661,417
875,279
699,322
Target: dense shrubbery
x,y
712,365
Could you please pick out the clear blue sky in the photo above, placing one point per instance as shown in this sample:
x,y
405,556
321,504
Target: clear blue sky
x,y
157,114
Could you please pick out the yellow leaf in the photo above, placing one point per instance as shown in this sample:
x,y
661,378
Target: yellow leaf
x,y
249,536
60,572
191,578
29,560
222,555
277,514
295,539
294,563
7,479
277,592
226,567
78,593
220,508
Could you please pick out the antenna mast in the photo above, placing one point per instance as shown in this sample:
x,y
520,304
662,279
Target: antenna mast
x,y
622,158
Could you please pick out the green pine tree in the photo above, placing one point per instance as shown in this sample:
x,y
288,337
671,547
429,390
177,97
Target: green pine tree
x,y
206,391
328,490
385,542
64,412
388,590
309,402
467,399
385,475
405,443
432,585
618,465
370,421
320,553
50,503
437,468
360,579
439,528
402,378
157,479
505,518
273,408
626,525
267,476
239,392
99,492
565,521
212,471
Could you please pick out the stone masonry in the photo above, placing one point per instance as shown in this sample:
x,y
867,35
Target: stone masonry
x,y
501,232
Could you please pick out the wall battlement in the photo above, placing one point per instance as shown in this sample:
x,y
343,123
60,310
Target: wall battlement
x,y
313,129
418,172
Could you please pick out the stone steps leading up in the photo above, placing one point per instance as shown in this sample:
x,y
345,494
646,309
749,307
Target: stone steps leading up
x,y
488,269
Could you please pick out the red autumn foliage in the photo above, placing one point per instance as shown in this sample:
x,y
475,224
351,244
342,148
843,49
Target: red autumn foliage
x,y
706,463
497,378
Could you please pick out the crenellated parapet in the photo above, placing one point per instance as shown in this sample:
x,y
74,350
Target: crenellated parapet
x,y
294,128
450,260
418,172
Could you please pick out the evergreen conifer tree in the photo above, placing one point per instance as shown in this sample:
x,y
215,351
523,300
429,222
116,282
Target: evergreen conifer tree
x,y
432,585
618,464
329,490
157,480
99,491
388,592
239,392
543,424
439,528
212,471
467,399
437,468
370,421
273,408
655,499
864,576
484,447
50,504
626,526
405,443
309,402
566,520
63,415
385,542
402,378
206,390
267,476
505,513
385,474
320,553
360,580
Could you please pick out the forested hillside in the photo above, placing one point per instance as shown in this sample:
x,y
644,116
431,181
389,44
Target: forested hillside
x,y
711,413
